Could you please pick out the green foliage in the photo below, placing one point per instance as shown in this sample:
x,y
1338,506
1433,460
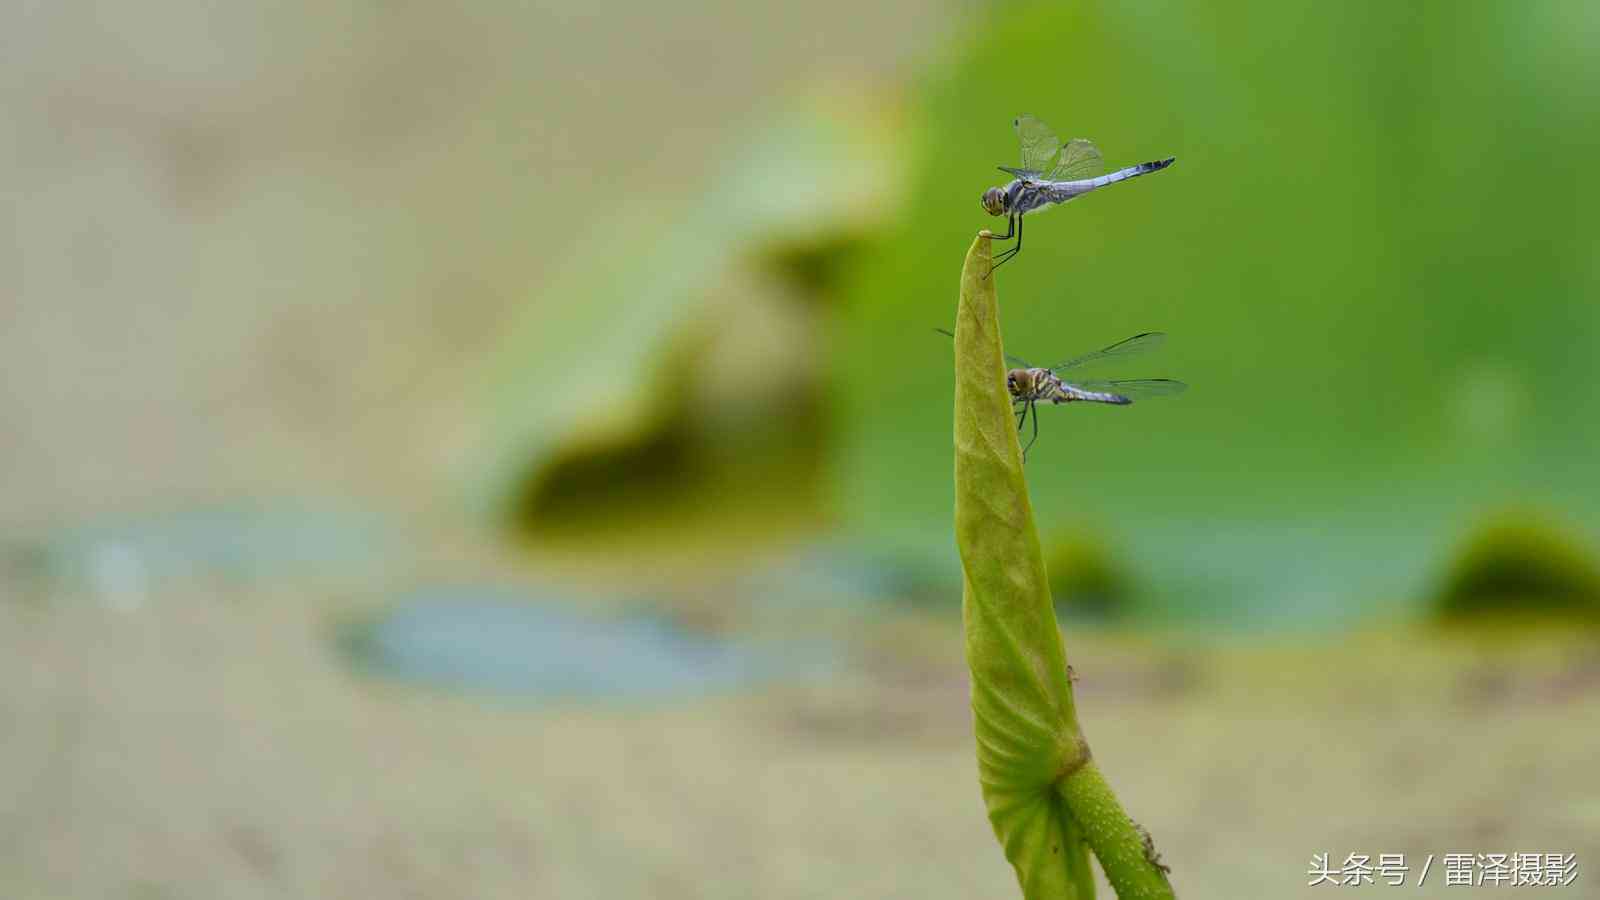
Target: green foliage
x,y
1046,799
1521,563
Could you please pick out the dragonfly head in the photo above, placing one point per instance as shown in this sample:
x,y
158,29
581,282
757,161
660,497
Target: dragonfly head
x,y
1019,383
994,201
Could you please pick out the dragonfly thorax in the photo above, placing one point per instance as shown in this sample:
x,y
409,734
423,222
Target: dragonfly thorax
x,y
1030,384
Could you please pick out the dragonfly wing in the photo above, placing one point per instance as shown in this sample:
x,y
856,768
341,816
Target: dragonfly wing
x,y
1080,159
1134,346
1040,146
1135,388
1026,174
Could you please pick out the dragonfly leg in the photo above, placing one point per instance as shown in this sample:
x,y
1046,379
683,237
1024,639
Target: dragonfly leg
x,y
1013,225
1035,432
1010,252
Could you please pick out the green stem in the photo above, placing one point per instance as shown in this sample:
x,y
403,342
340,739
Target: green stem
x,y
1046,800
1125,853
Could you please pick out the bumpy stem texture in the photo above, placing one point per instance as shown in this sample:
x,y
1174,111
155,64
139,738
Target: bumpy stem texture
x,y
1046,800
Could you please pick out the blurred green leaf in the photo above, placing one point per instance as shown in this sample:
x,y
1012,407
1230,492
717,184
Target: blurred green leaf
x,y
591,364
1524,565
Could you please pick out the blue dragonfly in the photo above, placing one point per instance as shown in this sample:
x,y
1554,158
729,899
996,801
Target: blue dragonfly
x,y
1051,173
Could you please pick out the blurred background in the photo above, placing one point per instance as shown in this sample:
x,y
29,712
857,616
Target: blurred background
x,y
505,451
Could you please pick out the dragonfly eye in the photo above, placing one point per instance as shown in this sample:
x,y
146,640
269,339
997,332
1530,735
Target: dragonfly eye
x,y
994,201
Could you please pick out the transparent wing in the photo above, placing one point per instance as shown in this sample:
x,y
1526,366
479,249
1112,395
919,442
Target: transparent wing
x,y
1134,388
1134,346
1080,159
1040,146
1012,359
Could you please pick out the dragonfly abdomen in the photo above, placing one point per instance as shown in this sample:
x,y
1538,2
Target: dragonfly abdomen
x,y
1132,172
1069,393
1054,192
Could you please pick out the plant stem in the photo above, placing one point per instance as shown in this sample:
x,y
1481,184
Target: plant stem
x,y
1125,853
1046,799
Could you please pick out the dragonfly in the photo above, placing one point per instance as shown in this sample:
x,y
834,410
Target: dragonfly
x,y
1031,385
1051,173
